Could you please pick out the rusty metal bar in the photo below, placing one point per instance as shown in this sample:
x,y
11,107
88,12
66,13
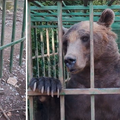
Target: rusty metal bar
x,y
31,108
53,51
86,91
48,51
29,59
45,55
92,61
62,100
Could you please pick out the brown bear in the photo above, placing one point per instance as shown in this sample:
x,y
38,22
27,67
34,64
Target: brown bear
x,y
76,44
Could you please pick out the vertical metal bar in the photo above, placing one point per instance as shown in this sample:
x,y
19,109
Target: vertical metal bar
x,y
68,76
36,51
53,50
64,68
23,33
48,52
92,62
62,100
13,34
31,107
57,49
2,36
29,45
29,59
42,50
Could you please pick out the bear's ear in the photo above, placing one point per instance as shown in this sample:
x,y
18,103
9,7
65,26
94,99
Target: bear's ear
x,y
107,18
64,30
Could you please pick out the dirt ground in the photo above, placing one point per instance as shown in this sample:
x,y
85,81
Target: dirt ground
x,y
13,100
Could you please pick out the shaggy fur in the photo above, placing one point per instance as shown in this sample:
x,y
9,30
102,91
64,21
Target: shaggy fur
x,y
76,43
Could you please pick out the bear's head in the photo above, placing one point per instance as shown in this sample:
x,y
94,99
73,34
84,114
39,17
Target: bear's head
x,y
76,41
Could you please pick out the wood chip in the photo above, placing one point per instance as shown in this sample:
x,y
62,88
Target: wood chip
x,y
12,81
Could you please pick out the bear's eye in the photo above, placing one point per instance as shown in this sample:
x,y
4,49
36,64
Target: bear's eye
x,y
85,38
65,43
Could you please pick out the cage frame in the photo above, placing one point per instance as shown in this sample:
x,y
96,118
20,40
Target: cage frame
x,y
89,91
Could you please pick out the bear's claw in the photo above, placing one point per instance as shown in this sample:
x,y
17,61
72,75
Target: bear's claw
x,y
46,84
35,85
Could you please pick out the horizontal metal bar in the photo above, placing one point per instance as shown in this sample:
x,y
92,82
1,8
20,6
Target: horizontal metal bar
x,y
75,7
87,91
54,19
115,26
69,14
12,43
45,55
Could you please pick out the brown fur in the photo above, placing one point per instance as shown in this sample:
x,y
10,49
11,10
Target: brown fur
x,y
106,57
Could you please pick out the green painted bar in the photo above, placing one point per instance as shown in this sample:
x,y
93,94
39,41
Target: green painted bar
x,y
36,52
115,26
23,33
54,19
68,14
42,51
12,43
62,100
13,34
2,36
92,61
75,7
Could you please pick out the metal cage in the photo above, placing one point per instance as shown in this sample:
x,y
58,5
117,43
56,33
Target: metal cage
x,y
13,41
49,20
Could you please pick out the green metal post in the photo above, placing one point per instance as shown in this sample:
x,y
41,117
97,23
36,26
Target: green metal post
x,y
42,51
36,51
2,36
92,61
23,33
13,34
62,100
29,59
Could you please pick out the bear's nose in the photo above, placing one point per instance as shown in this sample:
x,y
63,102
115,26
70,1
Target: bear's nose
x,y
70,62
